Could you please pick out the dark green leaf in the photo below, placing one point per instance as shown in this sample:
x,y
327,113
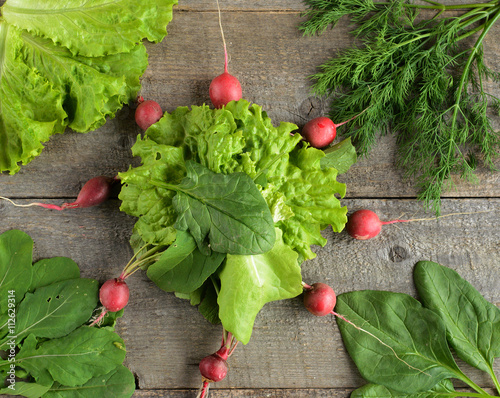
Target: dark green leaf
x,y
441,390
119,383
229,210
208,305
340,156
51,270
182,267
472,323
74,359
15,267
418,357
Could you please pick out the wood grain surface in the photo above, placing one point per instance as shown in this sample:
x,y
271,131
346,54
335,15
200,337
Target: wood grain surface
x,y
291,353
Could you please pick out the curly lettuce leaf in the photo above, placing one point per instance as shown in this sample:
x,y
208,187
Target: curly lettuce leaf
x,y
303,197
69,64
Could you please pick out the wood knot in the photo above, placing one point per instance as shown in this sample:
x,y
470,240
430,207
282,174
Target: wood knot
x,y
398,254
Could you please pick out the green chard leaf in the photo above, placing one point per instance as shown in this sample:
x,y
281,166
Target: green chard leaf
x,y
74,359
182,268
418,357
119,383
472,323
229,210
64,65
249,282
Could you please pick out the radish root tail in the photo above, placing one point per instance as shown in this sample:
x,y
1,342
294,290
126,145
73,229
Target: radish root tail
x,y
203,393
223,39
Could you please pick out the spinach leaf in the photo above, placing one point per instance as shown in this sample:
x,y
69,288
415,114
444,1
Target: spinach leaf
x,y
416,334
74,359
182,267
229,210
15,266
340,156
441,390
249,282
119,383
472,323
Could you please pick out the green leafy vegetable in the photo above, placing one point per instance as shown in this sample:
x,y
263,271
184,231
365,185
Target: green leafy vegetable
x,y
417,76
249,282
49,347
69,64
231,174
228,209
340,156
182,267
407,355
472,323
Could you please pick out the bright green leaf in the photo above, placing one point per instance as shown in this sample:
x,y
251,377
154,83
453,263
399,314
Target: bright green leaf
x,y
340,156
249,282
28,390
472,323
418,357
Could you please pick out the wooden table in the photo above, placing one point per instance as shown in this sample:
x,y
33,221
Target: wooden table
x,y
291,353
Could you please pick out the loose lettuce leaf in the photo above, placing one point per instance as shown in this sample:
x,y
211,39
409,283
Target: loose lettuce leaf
x,y
472,323
340,156
62,64
303,197
418,357
92,28
249,282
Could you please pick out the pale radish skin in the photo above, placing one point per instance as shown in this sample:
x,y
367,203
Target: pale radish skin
x,y
365,224
225,87
214,367
147,113
94,192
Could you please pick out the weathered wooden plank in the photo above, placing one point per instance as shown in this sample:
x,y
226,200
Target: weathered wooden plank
x,y
166,337
272,60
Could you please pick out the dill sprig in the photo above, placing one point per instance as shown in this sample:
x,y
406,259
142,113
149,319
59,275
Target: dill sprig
x,y
423,79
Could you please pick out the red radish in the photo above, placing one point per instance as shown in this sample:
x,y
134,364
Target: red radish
x,y
225,87
147,113
114,295
213,368
321,131
320,299
94,192
365,224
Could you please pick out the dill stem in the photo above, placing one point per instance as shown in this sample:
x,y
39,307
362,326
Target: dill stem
x,y
474,19
439,6
465,72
